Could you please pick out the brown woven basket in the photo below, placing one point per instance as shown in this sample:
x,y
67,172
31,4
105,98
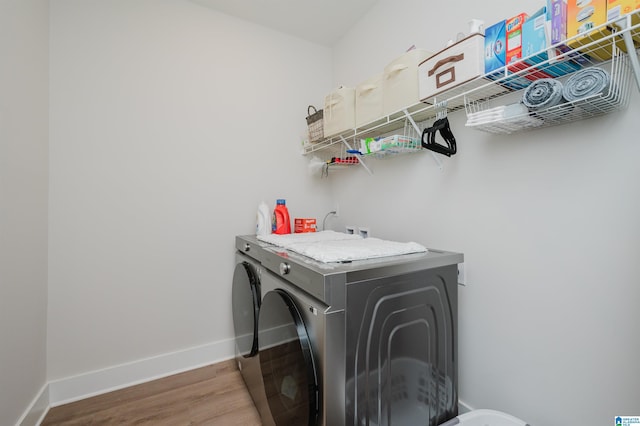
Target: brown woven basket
x,y
315,124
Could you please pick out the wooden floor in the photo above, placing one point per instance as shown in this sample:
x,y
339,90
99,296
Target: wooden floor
x,y
213,395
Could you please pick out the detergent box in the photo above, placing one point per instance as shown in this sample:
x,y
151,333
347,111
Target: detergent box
x,y
534,33
502,46
536,37
583,16
302,225
618,8
495,47
557,12
513,34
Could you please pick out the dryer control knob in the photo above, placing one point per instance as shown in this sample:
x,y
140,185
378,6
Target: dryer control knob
x,y
285,268
247,247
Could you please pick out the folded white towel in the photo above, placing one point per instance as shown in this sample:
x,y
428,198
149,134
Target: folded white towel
x,y
286,240
331,246
359,249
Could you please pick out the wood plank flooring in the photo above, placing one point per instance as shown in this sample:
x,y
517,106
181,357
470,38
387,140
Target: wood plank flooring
x,y
212,395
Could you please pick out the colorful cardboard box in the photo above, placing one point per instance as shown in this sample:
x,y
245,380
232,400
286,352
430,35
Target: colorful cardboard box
x,y
495,47
503,46
557,10
513,32
302,225
534,33
582,17
618,8
535,44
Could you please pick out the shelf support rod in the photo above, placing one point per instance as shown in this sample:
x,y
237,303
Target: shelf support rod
x,y
362,163
419,132
625,24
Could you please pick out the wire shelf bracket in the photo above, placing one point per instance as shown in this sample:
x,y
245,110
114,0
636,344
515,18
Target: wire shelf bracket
x,y
419,132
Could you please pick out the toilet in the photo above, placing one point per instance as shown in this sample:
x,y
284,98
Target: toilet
x,y
485,417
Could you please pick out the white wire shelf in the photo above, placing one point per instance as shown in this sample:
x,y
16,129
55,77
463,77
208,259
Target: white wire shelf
x,y
605,48
494,116
612,46
395,145
419,112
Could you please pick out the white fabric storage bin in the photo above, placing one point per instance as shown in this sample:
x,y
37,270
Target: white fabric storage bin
x,y
485,418
339,111
369,100
456,64
400,81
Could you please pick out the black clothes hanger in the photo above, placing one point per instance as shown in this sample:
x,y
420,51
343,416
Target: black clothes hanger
x,y
429,138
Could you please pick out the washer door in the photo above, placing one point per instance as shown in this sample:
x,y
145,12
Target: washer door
x,y
286,362
246,306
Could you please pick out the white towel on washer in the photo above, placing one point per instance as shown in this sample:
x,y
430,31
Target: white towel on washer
x,y
358,249
287,240
331,246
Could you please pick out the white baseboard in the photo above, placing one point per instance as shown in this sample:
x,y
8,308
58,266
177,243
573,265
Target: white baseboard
x,y
97,382
463,407
38,408
121,376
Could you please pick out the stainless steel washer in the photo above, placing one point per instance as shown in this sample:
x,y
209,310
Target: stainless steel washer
x,y
362,343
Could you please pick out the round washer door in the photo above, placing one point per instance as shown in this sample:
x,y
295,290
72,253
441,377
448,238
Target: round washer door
x,y
286,362
246,306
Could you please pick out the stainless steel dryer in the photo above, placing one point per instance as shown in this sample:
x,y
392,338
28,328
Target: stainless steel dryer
x,y
246,300
368,342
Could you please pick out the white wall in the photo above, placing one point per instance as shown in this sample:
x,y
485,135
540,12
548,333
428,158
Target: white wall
x,y
548,223
169,124
23,203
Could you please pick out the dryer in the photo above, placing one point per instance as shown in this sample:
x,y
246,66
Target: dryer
x,y
369,342
246,301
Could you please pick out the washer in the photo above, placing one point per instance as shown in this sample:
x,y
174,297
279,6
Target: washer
x,y
368,342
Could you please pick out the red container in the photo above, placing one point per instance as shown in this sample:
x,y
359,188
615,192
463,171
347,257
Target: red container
x,y
304,225
281,224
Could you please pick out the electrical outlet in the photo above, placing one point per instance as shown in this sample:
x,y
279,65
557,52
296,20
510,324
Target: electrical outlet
x,y
462,276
